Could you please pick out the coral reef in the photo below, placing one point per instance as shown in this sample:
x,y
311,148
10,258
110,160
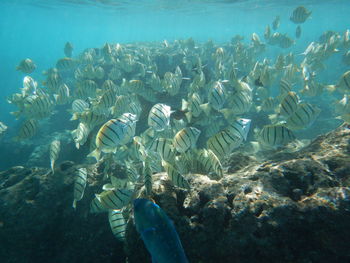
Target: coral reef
x,y
290,207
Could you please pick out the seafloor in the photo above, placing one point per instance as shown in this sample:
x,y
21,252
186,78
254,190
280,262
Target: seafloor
x,y
290,207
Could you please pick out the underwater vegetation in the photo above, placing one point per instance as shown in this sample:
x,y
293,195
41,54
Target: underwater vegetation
x,y
141,145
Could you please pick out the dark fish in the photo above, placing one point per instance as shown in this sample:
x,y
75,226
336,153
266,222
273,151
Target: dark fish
x,y
158,233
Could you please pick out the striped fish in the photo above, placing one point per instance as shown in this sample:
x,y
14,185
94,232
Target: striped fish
x,y
79,106
115,199
90,118
239,102
186,139
285,86
55,148
159,117
38,106
27,130
210,162
289,104
240,127
108,84
66,63
129,120
303,117
147,175
97,207
217,96
164,147
117,223
275,135
80,134
224,142
79,185
53,82
29,86
344,82
177,179
109,136
26,66
86,88
267,105
299,15
63,95
104,102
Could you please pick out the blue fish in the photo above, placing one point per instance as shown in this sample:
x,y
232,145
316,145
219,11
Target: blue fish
x,y
158,233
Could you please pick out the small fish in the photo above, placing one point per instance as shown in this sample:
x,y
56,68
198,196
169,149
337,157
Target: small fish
x,y
158,233
26,66
267,32
63,95
240,127
177,179
298,31
147,175
65,64
300,15
115,199
224,142
3,128
186,139
117,223
109,136
289,104
276,23
79,185
79,106
303,117
27,130
55,148
80,135
217,96
210,162
159,117
29,86
285,86
68,49
275,135
97,207
164,147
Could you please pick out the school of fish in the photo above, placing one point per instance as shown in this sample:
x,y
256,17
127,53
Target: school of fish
x,y
179,107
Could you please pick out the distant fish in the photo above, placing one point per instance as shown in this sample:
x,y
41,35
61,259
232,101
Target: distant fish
x,y
68,49
289,104
299,15
27,130
276,23
158,233
79,185
55,148
26,66
65,64
298,31
3,128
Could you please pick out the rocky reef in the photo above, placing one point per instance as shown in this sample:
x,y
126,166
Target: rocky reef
x,y
288,207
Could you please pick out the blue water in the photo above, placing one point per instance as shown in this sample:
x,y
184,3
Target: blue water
x,y
39,29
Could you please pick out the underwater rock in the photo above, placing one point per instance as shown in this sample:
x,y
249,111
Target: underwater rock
x,y
38,223
294,208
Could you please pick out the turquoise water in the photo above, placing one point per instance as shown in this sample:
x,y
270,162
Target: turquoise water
x,y
39,29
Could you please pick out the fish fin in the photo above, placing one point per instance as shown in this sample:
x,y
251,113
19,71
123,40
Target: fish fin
x,y
74,204
52,166
188,116
16,114
206,108
184,105
74,117
331,88
95,154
